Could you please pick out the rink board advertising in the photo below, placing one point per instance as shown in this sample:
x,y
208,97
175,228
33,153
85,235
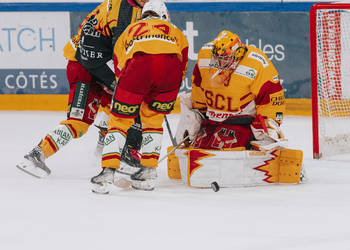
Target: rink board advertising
x,y
32,40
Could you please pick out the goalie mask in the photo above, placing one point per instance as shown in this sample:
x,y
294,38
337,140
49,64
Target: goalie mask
x,y
227,50
155,7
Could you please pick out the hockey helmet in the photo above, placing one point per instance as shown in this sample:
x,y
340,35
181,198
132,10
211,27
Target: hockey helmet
x,y
227,50
158,7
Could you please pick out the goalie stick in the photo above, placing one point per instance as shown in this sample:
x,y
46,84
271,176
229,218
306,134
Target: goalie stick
x,y
175,147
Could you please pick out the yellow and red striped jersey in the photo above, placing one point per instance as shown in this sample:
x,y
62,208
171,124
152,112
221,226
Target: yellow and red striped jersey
x,y
151,36
252,88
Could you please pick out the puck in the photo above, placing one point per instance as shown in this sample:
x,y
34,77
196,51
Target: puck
x,y
215,186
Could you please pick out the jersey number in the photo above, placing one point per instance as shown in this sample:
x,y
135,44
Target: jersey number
x,y
141,28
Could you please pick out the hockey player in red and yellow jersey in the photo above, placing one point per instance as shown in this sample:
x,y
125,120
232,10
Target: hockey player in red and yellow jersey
x,y
238,90
232,119
152,65
90,73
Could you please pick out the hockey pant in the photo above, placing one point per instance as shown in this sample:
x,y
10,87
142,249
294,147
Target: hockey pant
x,y
148,87
221,136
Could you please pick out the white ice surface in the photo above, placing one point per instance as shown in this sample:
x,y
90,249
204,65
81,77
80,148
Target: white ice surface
x,y
61,212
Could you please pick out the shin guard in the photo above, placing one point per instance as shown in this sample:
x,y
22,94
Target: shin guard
x,y
151,146
114,143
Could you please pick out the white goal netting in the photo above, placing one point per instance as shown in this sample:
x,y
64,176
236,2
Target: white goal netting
x,y
333,81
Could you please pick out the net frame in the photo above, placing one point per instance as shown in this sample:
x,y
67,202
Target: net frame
x,y
326,78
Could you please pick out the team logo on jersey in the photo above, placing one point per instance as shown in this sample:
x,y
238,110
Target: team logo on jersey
x,y
109,139
246,72
275,79
146,140
277,99
77,108
219,116
125,109
259,58
162,107
144,38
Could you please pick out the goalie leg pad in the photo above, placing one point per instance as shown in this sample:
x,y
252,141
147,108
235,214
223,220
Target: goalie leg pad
x,y
199,168
173,165
290,165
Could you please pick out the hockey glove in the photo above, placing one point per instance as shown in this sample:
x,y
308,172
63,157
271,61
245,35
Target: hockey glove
x,y
264,129
268,134
190,119
110,89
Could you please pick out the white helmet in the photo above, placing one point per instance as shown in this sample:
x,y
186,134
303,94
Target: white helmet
x,y
158,7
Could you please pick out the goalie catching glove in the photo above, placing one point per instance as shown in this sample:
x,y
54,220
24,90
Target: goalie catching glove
x,y
190,120
268,134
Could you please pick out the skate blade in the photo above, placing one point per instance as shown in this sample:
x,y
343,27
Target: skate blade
x,y
127,169
32,170
104,188
122,183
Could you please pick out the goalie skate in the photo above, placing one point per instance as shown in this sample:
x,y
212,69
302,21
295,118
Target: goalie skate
x,y
33,164
101,183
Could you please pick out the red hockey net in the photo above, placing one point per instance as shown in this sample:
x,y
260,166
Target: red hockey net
x,y
330,78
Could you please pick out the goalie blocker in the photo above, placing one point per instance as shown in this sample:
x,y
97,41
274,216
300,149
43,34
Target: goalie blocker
x,y
200,168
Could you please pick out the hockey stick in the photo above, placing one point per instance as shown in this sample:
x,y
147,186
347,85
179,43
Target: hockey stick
x,y
175,147
169,130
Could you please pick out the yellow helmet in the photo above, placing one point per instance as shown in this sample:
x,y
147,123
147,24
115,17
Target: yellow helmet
x,y
227,49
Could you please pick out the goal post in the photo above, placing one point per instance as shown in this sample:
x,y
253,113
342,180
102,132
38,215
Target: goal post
x,y
330,78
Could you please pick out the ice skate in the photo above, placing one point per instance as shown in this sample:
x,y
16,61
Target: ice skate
x,y
34,164
130,162
130,155
102,182
122,181
129,165
144,179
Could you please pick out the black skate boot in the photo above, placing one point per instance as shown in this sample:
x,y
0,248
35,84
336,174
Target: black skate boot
x,y
130,162
102,182
144,179
34,163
